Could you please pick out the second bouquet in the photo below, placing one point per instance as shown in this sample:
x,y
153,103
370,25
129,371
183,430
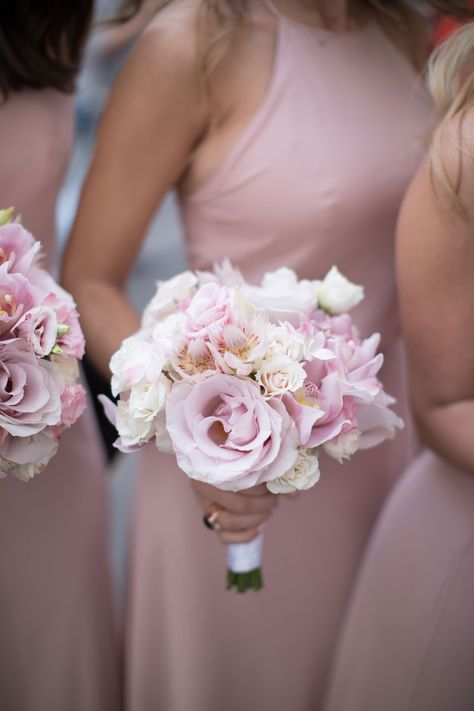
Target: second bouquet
x,y
248,384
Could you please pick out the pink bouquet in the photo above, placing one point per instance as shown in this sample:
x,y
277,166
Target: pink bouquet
x,y
40,343
250,384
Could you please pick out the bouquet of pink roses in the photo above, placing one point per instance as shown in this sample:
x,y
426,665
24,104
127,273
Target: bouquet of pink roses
x,y
249,384
40,342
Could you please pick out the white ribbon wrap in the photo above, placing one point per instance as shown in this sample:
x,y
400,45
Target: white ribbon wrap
x,y
244,557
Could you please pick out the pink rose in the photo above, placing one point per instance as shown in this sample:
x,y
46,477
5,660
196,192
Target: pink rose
x,y
18,248
17,295
39,327
74,402
30,397
224,432
211,306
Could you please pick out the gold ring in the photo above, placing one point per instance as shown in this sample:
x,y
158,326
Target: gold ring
x,y
211,516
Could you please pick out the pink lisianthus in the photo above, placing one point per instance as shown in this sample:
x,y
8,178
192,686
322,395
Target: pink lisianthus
x,y
70,339
18,248
39,327
73,402
224,432
30,396
17,296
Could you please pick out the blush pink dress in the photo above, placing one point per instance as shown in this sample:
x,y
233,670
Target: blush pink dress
x,y
408,643
316,179
57,638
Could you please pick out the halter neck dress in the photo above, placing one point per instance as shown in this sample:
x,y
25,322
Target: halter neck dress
x,y
315,179
57,638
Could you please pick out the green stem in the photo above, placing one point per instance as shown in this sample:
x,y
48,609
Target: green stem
x,y
242,582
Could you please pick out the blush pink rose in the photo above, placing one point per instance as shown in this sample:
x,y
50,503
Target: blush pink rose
x,y
73,401
210,307
18,248
30,397
224,432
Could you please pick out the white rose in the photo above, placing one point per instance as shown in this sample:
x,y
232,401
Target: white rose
x,y
132,430
279,375
148,399
168,295
284,340
344,446
337,294
303,475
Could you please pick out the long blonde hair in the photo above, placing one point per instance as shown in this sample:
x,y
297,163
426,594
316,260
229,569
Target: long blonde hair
x,y
451,82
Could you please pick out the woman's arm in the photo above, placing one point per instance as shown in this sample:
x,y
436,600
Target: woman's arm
x,y
435,263
155,117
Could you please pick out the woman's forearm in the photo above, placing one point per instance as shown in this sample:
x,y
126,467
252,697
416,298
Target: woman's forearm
x,y
449,431
107,317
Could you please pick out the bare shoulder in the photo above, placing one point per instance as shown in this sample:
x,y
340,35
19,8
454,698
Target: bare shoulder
x,y
169,42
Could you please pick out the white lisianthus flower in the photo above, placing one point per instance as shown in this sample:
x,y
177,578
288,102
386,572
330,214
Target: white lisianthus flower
x,y
132,430
168,295
303,475
337,294
166,331
284,340
279,375
344,446
283,297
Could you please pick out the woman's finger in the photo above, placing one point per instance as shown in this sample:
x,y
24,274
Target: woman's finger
x,y
226,521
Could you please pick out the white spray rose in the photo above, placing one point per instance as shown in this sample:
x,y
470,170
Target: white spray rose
x,y
303,475
148,399
344,446
132,430
279,375
284,340
337,294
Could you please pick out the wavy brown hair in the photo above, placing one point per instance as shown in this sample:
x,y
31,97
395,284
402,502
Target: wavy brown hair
x,y
41,43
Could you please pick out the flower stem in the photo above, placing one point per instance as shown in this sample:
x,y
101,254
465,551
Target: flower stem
x,y
245,581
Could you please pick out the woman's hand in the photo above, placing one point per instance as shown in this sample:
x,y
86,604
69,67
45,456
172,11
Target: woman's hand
x,y
241,515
